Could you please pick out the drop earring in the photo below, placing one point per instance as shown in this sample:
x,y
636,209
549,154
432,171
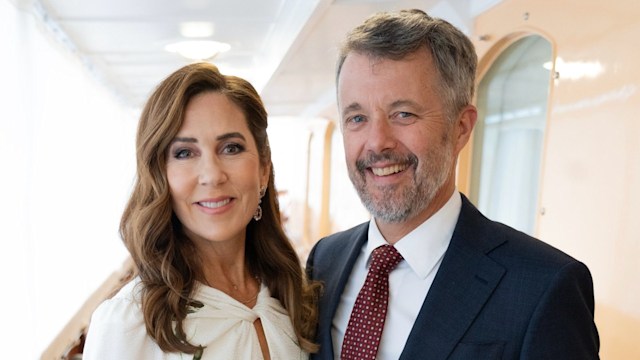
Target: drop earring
x,y
257,215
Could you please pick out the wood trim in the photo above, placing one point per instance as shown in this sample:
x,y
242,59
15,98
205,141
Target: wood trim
x,y
77,326
325,218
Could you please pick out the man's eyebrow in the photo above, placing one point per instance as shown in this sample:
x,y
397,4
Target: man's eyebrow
x,y
351,107
400,103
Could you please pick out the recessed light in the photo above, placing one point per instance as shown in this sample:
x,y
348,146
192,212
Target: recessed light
x,y
196,29
198,49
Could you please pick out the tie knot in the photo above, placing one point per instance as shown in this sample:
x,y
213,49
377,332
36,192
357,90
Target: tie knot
x,y
384,259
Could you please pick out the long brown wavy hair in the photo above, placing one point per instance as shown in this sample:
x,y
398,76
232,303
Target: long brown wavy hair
x,y
165,258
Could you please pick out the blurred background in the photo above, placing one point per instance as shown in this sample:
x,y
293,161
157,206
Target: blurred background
x,y
556,151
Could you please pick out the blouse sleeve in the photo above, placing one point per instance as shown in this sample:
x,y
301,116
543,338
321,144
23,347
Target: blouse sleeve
x,y
117,331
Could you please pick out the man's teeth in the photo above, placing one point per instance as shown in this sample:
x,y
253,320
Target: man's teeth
x,y
216,204
388,170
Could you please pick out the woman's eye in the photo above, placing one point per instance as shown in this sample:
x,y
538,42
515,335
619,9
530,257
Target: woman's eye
x,y
232,149
182,153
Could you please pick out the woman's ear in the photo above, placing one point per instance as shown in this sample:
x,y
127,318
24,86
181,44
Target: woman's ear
x,y
265,172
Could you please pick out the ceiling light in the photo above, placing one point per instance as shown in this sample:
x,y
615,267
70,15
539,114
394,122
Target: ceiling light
x,y
196,29
198,49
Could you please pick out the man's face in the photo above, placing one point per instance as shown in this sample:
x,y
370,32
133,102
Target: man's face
x,y
399,146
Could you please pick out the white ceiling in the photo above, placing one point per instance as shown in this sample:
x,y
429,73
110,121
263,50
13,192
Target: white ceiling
x,y
286,48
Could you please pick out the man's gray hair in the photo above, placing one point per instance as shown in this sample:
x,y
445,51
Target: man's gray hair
x,y
394,35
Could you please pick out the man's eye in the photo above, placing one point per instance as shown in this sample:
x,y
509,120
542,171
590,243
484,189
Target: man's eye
x,y
404,117
356,119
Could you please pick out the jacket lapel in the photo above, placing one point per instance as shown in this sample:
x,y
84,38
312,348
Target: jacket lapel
x,y
342,258
463,284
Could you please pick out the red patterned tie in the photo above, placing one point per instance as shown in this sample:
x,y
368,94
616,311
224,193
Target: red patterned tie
x,y
362,338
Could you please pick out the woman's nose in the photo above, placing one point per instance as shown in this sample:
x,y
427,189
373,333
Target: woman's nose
x,y
211,171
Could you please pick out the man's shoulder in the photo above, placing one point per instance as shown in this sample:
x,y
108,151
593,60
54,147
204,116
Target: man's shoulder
x,y
522,250
500,241
345,235
521,253
339,243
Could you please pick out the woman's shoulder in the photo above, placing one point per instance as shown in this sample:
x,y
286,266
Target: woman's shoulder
x,y
117,329
122,308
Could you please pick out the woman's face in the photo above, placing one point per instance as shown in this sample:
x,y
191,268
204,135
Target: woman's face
x,y
214,171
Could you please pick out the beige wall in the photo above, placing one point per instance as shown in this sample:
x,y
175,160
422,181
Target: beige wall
x,y
590,186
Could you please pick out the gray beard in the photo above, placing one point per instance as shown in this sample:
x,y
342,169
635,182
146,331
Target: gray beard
x,y
400,203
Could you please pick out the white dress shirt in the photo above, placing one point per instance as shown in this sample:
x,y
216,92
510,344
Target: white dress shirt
x,y
422,250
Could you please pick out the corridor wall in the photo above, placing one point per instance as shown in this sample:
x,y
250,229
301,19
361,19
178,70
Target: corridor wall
x,y
67,167
589,196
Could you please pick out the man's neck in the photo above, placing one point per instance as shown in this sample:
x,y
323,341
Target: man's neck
x,y
394,231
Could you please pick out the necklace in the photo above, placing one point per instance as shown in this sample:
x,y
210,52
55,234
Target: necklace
x,y
254,297
234,289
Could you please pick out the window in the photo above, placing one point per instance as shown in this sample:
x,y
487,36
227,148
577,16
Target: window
x,y
508,140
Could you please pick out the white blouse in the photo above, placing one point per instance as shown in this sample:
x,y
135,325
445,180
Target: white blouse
x,y
223,326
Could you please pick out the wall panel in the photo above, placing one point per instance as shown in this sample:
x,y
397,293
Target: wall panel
x,y
591,168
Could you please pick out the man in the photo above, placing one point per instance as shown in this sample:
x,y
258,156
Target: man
x,y
464,287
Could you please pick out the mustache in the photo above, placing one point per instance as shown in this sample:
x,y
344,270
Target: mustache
x,y
372,158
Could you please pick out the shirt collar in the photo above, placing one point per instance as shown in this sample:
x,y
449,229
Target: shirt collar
x,y
425,245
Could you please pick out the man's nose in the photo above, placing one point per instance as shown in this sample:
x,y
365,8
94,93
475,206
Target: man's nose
x,y
381,134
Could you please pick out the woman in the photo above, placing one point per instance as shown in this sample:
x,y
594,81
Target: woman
x,y
216,275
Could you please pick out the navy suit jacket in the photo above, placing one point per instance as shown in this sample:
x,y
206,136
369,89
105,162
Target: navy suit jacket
x,y
498,294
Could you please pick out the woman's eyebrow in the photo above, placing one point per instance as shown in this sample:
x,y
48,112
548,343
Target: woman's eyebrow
x,y
184,139
230,135
222,137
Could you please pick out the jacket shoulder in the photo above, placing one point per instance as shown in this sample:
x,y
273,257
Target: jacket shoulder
x,y
342,237
504,243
